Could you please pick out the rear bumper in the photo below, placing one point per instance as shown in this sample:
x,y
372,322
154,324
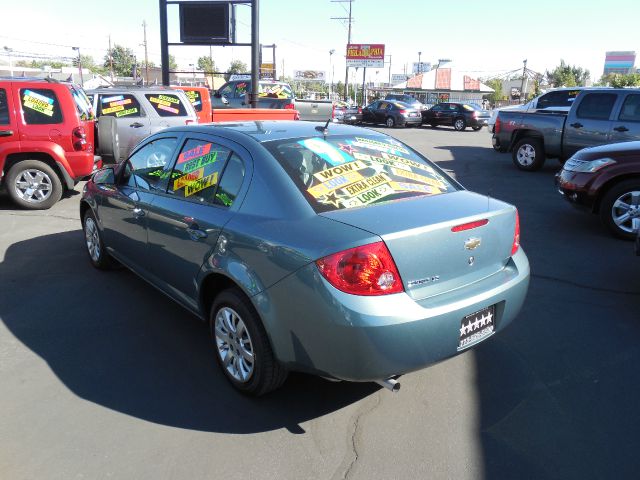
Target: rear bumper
x,y
316,328
410,120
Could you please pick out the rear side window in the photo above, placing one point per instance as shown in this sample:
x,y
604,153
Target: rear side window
x,y
83,104
231,181
119,106
40,106
4,107
630,109
195,98
596,106
167,104
197,171
561,98
351,171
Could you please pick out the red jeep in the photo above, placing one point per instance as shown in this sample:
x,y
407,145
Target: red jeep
x,y
46,139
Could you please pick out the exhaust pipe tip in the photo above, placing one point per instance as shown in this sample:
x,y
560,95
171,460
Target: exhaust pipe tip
x,y
390,384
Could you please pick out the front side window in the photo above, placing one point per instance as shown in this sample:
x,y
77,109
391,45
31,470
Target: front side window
x,y
241,89
355,171
40,106
596,106
148,167
630,109
167,104
118,106
227,90
197,171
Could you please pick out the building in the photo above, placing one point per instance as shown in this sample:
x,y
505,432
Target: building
x,y
619,62
444,85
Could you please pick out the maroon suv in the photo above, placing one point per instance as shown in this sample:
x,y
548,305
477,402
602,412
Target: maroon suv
x,y
605,180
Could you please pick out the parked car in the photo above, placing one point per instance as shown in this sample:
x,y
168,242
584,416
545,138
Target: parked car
x,y
392,114
271,94
597,116
557,100
605,180
46,140
344,112
458,115
408,99
126,115
333,250
200,99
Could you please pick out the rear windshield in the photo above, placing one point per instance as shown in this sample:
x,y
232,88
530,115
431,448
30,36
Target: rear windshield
x,y
167,104
195,98
355,171
275,90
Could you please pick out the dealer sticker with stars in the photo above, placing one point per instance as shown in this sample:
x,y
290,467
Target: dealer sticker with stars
x,y
476,327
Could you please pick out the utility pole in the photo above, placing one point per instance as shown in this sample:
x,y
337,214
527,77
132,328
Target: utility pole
x,y
146,57
79,65
350,21
389,69
110,60
524,72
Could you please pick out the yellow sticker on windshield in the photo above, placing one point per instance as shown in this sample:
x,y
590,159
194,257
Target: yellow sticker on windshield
x,y
367,183
38,102
200,184
187,179
418,178
129,111
117,108
334,183
406,161
339,170
369,196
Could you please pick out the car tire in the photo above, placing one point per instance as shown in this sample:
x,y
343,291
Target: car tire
x,y
390,122
476,128
459,124
617,209
93,241
33,184
108,139
241,345
528,154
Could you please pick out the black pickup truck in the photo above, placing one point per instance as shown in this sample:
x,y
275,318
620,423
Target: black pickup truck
x,y
597,116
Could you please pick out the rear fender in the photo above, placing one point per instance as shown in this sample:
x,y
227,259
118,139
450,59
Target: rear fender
x,y
518,135
49,152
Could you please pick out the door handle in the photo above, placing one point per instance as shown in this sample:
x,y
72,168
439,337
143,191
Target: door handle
x,y
136,125
576,125
6,133
621,128
195,233
138,212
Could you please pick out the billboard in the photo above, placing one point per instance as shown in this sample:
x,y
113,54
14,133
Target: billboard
x,y
365,55
421,67
398,78
309,75
205,23
619,62
267,71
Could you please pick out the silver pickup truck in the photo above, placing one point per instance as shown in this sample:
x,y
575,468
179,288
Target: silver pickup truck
x,y
597,116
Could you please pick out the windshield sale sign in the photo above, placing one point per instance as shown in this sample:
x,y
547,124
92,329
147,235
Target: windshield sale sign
x,y
365,55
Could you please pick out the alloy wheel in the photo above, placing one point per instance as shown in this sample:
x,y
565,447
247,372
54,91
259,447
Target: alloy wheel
x,y
625,208
92,238
33,186
234,345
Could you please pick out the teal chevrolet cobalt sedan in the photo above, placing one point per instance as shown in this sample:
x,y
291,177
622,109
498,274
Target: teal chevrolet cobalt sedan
x,y
328,249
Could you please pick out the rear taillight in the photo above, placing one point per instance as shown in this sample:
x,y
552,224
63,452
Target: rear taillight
x,y
296,116
497,125
365,270
290,106
79,139
516,235
333,111
359,110
402,112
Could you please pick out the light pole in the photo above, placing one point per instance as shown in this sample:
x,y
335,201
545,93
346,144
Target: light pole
x,y
9,52
419,62
331,52
79,65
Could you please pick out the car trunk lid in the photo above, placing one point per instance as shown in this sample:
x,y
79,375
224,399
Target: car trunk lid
x,y
430,256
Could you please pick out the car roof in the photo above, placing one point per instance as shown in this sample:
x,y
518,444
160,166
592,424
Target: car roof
x,y
269,130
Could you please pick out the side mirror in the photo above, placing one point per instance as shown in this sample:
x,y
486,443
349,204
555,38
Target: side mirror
x,y
105,176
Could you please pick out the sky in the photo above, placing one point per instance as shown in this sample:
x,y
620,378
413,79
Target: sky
x,y
484,38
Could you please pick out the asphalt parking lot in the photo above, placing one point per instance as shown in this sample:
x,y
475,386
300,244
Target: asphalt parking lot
x,y
103,377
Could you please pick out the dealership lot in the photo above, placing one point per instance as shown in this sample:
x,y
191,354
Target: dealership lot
x,y
103,377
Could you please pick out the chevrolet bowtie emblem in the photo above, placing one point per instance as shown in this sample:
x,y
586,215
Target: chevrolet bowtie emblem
x,y
472,243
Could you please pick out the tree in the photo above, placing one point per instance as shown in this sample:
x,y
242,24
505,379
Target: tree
x,y
497,94
206,64
123,60
339,89
565,75
618,80
173,65
236,66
